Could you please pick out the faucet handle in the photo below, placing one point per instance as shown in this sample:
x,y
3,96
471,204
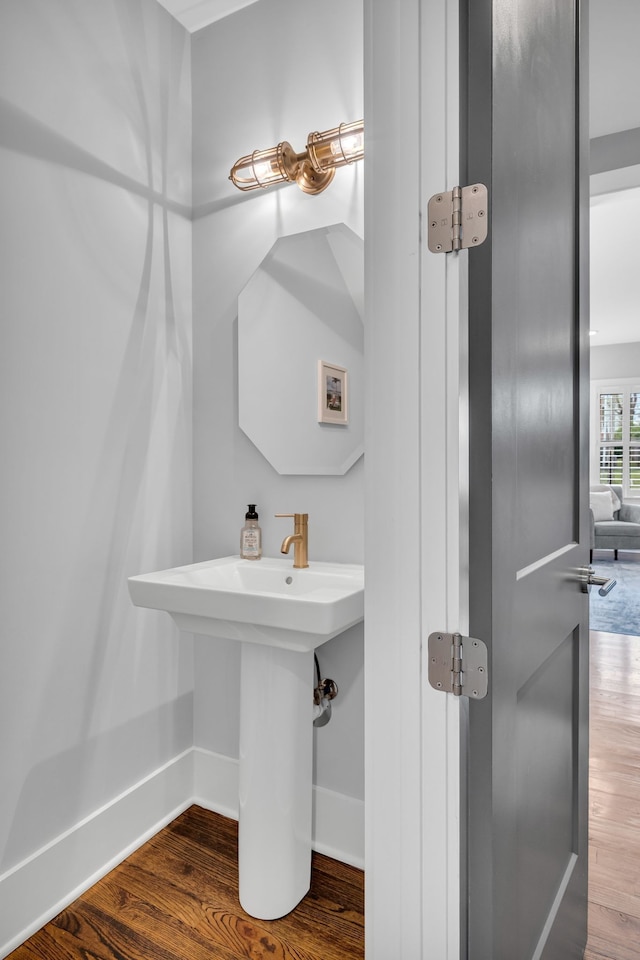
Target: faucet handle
x,y
296,516
284,514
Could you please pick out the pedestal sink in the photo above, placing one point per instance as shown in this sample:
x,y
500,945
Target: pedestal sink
x,y
280,615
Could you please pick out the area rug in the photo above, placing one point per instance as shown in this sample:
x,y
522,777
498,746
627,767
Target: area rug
x,y
619,611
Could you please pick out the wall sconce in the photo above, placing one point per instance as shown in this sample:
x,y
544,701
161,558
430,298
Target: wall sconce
x,y
313,169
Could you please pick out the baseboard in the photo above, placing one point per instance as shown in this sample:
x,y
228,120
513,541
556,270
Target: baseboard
x,y
38,888
338,826
338,820
51,878
215,782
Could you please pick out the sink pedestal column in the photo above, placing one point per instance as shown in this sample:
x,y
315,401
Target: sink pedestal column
x,y
275,779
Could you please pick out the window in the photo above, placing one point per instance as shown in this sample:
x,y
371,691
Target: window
x,y
616,426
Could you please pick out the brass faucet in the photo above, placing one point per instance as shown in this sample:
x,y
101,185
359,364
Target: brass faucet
x,y
299,539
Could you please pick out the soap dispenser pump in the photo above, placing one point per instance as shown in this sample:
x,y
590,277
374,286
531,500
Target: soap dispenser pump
x,y
251,535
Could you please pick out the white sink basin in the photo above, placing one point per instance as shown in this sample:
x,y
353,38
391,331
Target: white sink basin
x,y
281,614
259,601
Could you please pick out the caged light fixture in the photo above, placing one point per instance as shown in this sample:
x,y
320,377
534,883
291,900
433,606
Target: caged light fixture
x,y
313,169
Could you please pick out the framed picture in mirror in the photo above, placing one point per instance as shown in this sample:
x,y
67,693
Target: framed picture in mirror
x,y
333,393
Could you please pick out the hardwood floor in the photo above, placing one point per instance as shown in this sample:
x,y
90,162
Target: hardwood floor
x,y
177,897
614,814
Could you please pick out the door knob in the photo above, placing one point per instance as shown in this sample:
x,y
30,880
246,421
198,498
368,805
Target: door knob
x,y
589,578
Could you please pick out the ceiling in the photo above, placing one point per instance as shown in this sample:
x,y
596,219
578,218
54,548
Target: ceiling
x,y
196,14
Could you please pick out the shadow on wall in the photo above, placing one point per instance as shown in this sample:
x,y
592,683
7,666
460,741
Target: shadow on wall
x,y
146,741
24,134
97,414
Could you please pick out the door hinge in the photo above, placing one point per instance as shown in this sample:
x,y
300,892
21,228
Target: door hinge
x,y
458,218
458,665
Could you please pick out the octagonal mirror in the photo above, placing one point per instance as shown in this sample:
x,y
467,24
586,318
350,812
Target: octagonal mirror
x,y
300,352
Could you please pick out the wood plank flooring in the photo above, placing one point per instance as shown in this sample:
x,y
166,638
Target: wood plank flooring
x,y
177,897
614,813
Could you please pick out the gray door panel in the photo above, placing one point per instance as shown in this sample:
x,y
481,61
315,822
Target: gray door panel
x,y
527,776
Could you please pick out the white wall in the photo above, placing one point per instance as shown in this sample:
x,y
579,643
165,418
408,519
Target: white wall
x,y
615,361
614,281
273,71
613,66
95,411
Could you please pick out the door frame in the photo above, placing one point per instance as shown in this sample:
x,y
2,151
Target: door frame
x,y
415,483
416,552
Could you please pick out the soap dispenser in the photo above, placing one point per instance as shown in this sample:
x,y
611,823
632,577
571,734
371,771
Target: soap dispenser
x,y
251,535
